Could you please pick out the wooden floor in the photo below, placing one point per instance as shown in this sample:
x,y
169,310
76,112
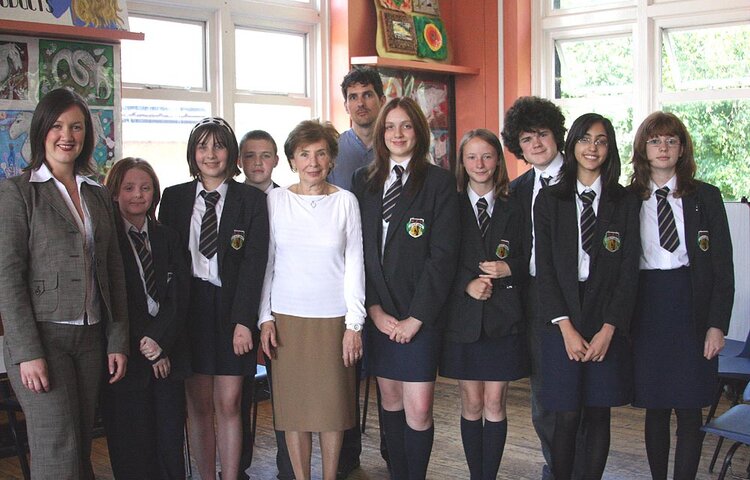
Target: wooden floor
x,y
522,458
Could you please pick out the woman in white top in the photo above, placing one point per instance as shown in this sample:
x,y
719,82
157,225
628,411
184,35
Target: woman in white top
x,y
312,308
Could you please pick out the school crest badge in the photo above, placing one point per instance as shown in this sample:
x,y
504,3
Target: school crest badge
x,y
503,249
612,241
415,227
238,239
703,240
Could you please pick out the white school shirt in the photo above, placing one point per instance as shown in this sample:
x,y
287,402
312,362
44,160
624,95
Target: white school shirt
x,y
93,309
583,257
388,182
153,305
553,172
653,256
202,267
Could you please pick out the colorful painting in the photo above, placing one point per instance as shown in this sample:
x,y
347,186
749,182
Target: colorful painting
x,y
432,42
432,93
15,149
402,5
104,136
399,32
427,7
85,68
14,71
107,14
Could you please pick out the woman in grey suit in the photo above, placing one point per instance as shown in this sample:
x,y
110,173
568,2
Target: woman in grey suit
x,y
62,292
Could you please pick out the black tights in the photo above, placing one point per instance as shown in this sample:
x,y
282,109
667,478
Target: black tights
x,y
689,442
596,426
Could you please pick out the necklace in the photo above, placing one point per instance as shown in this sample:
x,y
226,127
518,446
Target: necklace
x,y
315,198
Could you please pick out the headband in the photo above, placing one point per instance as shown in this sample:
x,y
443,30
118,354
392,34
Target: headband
x,y
212,120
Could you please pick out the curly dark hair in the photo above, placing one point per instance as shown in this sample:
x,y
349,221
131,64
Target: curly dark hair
x,y
530,114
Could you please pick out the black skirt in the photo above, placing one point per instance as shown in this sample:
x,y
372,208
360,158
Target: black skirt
x,y
416,361
488,359
211,346
669,368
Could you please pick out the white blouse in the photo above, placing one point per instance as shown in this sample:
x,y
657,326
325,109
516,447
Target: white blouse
x,y
315,258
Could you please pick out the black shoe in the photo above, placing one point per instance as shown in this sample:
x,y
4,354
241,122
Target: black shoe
x,y
346,470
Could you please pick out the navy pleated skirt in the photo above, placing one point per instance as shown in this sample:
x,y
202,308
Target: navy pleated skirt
x,y
488,359
211,346
669,368
416,361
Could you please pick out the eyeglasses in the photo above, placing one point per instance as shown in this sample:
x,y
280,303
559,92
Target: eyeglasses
x,y
600,142
658,142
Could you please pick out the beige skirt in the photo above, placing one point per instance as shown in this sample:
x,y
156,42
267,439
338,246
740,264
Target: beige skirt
x,y
312,390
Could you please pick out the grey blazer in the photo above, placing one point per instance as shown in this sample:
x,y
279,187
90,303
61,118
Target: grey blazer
x,y
41,265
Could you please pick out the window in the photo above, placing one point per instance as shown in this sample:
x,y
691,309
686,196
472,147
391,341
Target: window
x,y
624,61
256,64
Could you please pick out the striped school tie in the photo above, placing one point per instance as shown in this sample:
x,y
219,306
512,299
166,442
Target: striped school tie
x,y
483,216
391,196
544,181
588,220
147,262
209,236
667,228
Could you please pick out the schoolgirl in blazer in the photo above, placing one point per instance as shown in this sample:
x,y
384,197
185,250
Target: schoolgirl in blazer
x,y
686,292
410,259
228,265
589,283
144,414
484,344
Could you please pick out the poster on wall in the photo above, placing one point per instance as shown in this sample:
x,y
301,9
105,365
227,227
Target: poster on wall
x,y
107,14
432,93
31,67
85,68
14,70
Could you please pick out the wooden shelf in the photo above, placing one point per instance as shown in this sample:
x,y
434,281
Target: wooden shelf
x,y
79,33
414,65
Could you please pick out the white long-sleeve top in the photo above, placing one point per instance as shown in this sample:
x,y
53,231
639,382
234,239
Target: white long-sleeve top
x,y
315,259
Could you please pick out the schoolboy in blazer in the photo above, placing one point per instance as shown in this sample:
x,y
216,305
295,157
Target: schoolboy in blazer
x,y
241,269
502,313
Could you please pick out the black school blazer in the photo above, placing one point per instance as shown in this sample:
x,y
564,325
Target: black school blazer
x,y
612,284
523,189
502,313
241,268
168,329
712,269
413,276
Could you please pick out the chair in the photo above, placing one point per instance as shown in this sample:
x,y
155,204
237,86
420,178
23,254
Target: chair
x,y
261,391
9,404
734,424
736,348
734,371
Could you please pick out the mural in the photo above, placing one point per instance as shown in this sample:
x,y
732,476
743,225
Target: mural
x,y
85,68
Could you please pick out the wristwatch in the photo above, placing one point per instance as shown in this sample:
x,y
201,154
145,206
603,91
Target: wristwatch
x,y
356,327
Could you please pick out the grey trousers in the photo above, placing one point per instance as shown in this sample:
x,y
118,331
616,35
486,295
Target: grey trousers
x,y
59,422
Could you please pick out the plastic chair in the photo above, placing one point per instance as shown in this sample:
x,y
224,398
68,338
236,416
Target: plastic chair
x,y
736,348
734,424
734,371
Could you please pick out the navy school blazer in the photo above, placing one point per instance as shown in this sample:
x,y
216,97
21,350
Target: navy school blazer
x,y
502,313
241,267
711,262
412,277
612,284
168,328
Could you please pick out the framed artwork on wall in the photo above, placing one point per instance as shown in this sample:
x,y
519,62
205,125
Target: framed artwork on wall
x,y
427,7
400,36
402,5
